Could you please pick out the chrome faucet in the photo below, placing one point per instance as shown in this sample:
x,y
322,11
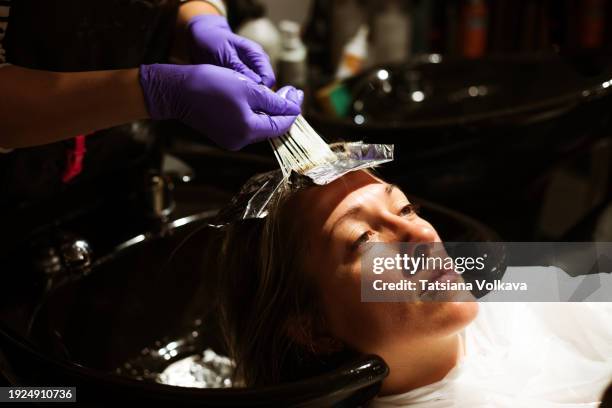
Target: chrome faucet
x,y
69,256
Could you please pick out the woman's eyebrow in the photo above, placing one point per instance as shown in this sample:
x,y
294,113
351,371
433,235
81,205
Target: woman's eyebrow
x,y
348,214
390,187
356,209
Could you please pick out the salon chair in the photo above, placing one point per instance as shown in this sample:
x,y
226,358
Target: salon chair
x,y
124,296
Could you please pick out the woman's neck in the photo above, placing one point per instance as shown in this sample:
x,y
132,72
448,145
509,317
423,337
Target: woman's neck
x,y
414,366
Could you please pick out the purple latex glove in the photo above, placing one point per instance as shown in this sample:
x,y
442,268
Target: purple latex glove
x,y
211,41
225,105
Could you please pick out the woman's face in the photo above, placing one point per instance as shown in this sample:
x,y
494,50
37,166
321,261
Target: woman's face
x,y
339,219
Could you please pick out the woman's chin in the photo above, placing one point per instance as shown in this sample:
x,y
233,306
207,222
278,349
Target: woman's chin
x,y
453,316
463,312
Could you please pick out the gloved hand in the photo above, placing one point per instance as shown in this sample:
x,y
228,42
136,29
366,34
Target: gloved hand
x,y
225,105
211,41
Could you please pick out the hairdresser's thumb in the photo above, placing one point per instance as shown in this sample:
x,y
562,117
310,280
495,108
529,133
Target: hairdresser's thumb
x,y
264,100
292,94
265,127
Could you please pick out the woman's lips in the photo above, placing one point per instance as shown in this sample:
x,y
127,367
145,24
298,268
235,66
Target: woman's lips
x,y
444,275
435,275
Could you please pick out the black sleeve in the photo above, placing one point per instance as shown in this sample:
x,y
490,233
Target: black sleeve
x,y
5,7
89,35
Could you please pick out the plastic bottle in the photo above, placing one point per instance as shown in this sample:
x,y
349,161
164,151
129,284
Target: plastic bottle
x,y
264,32
354,55
292,67
392,33
318,37
475,15
592,23
346,18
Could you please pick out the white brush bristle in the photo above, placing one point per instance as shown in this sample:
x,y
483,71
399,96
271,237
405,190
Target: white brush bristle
x,y
301,148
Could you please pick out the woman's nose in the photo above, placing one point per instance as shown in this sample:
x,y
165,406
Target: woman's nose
x,y
413,229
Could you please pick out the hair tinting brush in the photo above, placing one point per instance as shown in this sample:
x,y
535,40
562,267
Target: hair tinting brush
x,y
301,149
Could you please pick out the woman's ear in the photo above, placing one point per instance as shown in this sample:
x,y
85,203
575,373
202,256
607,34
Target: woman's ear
x,y
311,336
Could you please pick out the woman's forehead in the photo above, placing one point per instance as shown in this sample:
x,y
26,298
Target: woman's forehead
x,y
323,202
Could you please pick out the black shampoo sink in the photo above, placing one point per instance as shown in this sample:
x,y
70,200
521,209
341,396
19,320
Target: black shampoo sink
x,y
103,333
143,304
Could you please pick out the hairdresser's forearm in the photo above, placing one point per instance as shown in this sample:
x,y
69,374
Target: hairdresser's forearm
x,y
40,107
186,12
194,8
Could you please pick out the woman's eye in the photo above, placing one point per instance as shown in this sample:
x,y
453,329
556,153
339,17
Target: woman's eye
x,y
363,238
408,209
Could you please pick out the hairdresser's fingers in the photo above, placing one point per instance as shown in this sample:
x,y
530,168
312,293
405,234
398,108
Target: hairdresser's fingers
x,y
296,96
262,99
256,59
236,64
284,91
265,127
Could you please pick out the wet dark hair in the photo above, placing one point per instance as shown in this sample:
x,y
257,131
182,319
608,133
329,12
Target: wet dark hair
x,y
267,303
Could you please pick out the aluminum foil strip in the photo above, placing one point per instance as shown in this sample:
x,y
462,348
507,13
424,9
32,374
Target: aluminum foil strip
x,y
350,157
253,200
